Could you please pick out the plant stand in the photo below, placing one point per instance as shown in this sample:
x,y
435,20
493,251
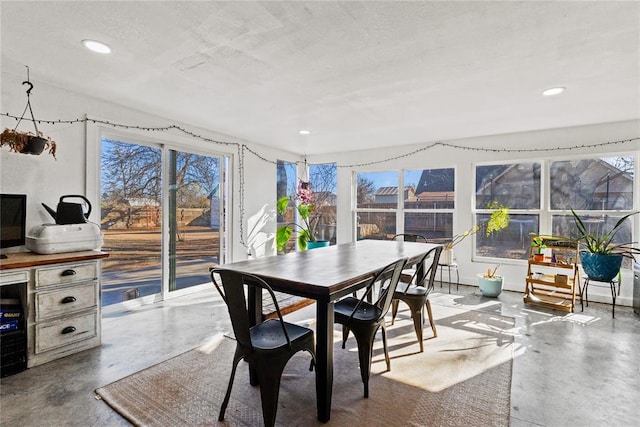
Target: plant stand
x,y
554,284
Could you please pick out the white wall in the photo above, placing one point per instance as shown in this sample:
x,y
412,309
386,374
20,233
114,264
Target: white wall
x,y
463,161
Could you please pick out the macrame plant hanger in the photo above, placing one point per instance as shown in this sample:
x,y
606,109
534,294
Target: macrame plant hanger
x,y
28,106
26,142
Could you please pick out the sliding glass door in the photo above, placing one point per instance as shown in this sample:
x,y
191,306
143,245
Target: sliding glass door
x,y
194,217
161,219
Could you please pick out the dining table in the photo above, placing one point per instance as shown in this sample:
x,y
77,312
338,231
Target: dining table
x,y
324,275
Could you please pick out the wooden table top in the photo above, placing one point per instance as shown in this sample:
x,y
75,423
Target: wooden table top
x,y
325,272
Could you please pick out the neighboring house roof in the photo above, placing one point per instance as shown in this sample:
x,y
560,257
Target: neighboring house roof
x,y
391,191
436,180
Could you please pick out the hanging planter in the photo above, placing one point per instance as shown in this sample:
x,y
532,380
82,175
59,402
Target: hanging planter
x,y
27,142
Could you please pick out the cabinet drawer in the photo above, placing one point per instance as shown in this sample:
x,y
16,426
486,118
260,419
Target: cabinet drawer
x,y
14,277
65,331
66,300
70,273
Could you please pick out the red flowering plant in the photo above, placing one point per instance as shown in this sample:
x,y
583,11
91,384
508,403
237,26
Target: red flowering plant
x,y
305,207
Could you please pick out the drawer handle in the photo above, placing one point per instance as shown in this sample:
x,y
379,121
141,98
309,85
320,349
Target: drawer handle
x,y
69,272
67,300
68,330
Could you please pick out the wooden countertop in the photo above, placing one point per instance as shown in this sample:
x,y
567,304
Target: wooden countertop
x,y
31,259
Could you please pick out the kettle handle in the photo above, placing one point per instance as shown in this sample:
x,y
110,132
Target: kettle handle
x,y
81,197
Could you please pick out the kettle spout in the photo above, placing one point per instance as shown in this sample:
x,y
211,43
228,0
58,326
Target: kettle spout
x,y
51,211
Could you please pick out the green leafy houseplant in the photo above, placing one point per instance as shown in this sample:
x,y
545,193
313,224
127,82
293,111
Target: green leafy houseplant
x,y
600,256
538,243
305,208
602,243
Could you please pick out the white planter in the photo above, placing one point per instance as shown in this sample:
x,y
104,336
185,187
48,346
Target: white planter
x,y
446,257
490,287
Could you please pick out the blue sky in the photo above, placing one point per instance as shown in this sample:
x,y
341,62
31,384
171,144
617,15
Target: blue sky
x,y
390,179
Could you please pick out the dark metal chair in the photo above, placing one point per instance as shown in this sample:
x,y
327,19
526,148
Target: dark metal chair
x,y
410,237
415,292
267,346
364,318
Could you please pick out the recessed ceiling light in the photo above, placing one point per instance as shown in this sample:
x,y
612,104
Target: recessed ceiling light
x,y
553,91
305,132
96,46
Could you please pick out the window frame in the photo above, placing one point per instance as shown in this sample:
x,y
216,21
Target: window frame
x,y
545,213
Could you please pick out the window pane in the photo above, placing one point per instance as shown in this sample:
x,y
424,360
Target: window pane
x,y
514,185
376,225
324,181
432,225
564,225
131,213
592,184
377,190
434,189
512,242
287,185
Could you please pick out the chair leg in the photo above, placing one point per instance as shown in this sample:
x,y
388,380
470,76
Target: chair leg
x,y
416,315
433,325
364,338
270,377
394,310
384,346
345,335
225,402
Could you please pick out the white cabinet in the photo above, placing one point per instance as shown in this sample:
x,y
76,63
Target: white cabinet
x,y
62,301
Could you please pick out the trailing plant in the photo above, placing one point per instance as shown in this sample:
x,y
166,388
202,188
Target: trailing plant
x,y
498,220
19,141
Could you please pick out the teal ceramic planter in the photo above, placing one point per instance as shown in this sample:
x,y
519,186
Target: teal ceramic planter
x,y
599,267
318,244
490,287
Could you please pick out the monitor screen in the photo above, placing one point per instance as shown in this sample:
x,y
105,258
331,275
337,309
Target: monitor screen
x,y
13,216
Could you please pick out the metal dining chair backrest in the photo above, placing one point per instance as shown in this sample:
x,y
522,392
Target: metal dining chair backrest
x,y
388,279
233,294
427,270
407,237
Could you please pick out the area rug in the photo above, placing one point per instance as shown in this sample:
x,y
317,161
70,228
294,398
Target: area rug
x,y
462,378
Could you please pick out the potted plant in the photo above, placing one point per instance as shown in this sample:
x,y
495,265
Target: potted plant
x,y
306,210
490,283
600,256
27,142
498,220
538,244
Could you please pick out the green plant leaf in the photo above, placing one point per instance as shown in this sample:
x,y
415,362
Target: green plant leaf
x,y
283,202
283,233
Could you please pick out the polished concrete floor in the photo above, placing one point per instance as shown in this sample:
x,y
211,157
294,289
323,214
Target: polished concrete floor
x,y
570,369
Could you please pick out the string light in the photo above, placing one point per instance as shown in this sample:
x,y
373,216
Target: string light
x,y
242,148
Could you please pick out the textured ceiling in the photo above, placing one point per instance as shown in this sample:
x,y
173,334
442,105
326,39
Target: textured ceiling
x,y
357,74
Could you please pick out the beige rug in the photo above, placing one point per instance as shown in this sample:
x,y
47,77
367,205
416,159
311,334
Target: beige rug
x,y
463,378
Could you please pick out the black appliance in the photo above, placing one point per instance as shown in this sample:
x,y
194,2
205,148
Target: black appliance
x,y
13,338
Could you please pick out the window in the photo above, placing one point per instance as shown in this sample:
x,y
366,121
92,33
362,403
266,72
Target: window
x,y
425,205
286,185
324,182
376,205
516,186
599,189
428,208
